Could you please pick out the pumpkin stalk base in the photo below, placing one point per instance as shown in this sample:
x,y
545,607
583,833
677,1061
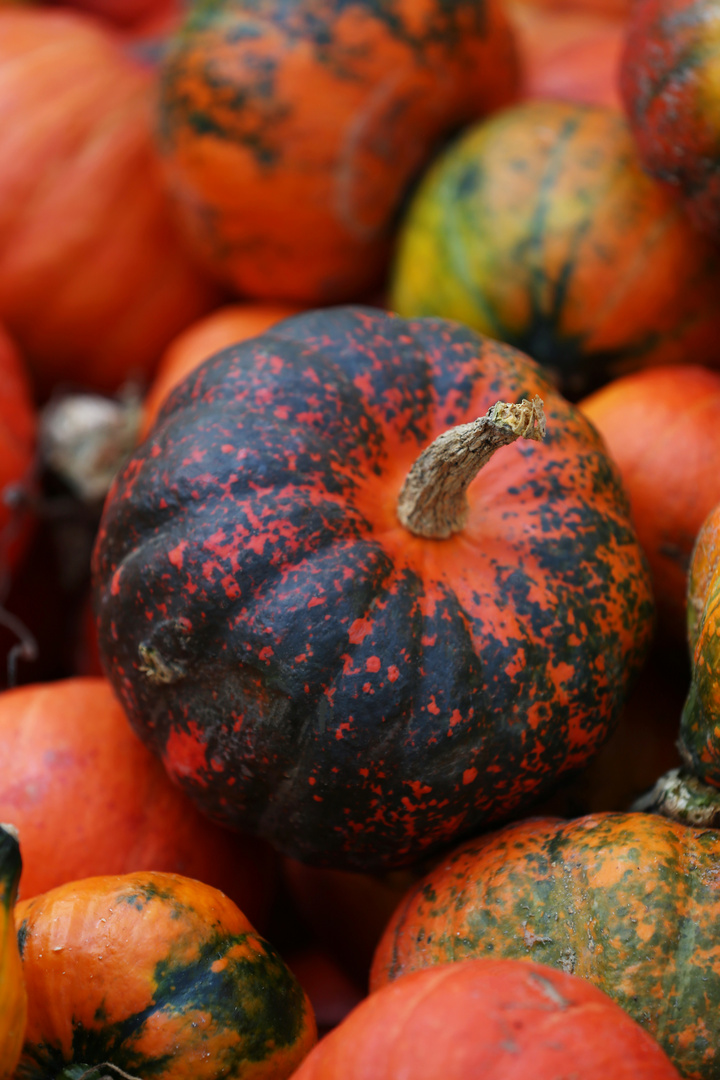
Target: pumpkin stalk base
x,y
684,798
433,500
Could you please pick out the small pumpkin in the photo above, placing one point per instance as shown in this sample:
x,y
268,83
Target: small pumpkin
x,y
700,723
352,652
94,276
13,997
495,1019
291,132
221,328
89,799
630,902
660,426
18,425
669,85
160,976
540,228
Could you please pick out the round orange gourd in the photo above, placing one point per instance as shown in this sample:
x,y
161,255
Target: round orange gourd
x,y
13,998
88,798
489,1019
661,427
222,328
162,977
292,132
94,278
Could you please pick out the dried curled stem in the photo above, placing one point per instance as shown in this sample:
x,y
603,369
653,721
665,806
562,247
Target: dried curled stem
x,y
433,500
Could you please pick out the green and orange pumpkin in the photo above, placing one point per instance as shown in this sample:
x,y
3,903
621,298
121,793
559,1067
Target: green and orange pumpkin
x,y
13,996
155,975
312,669
292,132
630,902
540,227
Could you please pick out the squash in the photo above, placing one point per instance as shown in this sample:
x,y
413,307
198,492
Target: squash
x,y
495,1019
89,799
357,666
223,327
630,902
700,723
292,132
160,976
660,426
18,427
540,228
669,85
94,277
13,996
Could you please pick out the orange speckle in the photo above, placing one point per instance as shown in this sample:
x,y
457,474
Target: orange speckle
x,y
432,707
219,965
176,554
469,775
266,653
359,631
393,673
372,663
315,601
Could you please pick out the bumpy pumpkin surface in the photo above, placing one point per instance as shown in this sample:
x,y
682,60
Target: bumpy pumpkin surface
x,y
159,975
308,668
489,1019
540,228
630,902
291,132
669,81
700,723
13,997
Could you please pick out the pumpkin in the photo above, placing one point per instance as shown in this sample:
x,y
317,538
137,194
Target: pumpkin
x,y
223,327
94,277
669,85
568,54
700,723
357,666
160,976
495,1019
89,799
17,457
539,227
291,133
630,902
13,997
660,426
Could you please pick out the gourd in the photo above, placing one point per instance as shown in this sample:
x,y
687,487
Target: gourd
x,y
358,668
157,975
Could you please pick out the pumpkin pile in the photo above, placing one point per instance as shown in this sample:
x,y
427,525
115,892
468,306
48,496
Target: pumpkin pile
x,y
359,540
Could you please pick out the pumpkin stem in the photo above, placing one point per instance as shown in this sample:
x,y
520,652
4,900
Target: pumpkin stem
x,y
682,797
433,500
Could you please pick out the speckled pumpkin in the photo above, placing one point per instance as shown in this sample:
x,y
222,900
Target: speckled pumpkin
x,y
291,132
159,975
700,724
13,997
309,668
630,902
540,228
670,84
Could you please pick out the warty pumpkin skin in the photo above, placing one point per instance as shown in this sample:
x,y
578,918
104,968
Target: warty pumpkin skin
x,y
669,85
700,723
160,975
630,902
304,665
291,132
13,996
488,1020
540,228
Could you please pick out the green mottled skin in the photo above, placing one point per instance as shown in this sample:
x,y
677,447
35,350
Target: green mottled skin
x,y
630,902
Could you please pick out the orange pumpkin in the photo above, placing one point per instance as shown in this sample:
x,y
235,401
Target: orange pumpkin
x,y
160,976
94,278
222,328
17,452
292,132
660,426
88,798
